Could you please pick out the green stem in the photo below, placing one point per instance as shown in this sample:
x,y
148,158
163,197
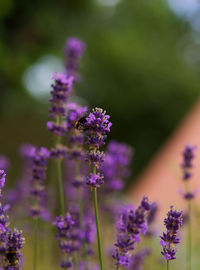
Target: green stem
x,y
169,245
97,227
75,262
167,264
189,238
80,203
79,194
36,223
47,245
59,171
60,187
117,267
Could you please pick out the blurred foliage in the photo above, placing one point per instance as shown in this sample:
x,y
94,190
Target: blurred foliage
x,y
133,67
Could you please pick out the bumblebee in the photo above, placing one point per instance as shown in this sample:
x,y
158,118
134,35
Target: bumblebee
x,y
12,258
80,124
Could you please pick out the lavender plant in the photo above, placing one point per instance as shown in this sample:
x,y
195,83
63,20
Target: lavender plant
x,y
73,52
116,166
97,124
62,89
4,163
187,165
39,159
132,223
173,222
10,241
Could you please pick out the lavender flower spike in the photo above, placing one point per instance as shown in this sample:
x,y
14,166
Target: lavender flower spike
x,y
4,163
73,51
97,125
2,180
186,166
132,223
64,235
61,91
169,239
39,158
116,166
188,156
10,242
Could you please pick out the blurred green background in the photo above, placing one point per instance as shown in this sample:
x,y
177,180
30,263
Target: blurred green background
x,y
141,65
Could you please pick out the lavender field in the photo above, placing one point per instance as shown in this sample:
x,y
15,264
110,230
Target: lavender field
x,y
67,208
90,91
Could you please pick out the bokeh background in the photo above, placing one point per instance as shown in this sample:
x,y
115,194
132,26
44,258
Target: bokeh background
x,y
141,65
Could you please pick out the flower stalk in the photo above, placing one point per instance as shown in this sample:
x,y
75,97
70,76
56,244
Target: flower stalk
x,y
81,214
36,223
187,166
167,265
189,238
60,187
98,228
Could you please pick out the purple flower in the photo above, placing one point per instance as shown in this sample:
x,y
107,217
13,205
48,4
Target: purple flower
x,y
4,223
76,138
121,259
74,49
39,159
3,216
145,204
186,166
189,195
172,223
4,163
15,240
19,194
169,253
76,153
57,129
124,244
61,91
137,222
188,156
69,235
14,245
116,166
10,242
25,150
96,158
89,229
122,152
63,224
95,180
97,125
2,179
174,220
66,264
168,237
131,224
59,151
